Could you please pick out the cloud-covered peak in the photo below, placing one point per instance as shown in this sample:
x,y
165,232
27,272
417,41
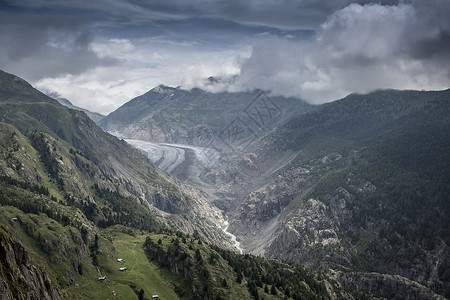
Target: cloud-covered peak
x,y
164,89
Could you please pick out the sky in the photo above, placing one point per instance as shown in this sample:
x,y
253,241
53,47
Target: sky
x,y
99,54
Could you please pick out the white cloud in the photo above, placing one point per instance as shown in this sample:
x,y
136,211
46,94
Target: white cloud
x,y
143,67
113,48
359,48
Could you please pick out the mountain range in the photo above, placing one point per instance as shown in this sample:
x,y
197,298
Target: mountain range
x,y
345,200
352,185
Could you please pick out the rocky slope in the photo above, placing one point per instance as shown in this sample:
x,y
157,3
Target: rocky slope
x,y
222,126
20,278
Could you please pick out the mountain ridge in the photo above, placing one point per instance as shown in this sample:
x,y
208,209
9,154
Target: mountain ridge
x,y
173,115
364,163
56,131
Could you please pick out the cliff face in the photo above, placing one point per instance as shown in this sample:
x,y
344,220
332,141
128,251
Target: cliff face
x,y
390,286
20,277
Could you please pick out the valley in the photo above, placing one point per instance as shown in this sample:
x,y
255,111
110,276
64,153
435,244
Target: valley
x,y
338,194
305,190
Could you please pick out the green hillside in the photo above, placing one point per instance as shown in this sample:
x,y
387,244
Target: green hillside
x,y
43,258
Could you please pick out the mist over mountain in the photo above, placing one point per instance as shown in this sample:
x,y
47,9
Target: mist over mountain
x,y
317,50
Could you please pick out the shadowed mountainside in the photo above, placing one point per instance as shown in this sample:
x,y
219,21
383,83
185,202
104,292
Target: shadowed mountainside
x,y
368,190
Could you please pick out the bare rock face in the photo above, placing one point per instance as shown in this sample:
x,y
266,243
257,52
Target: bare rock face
x,y
249,161
390,286
274,210
308,236
20,277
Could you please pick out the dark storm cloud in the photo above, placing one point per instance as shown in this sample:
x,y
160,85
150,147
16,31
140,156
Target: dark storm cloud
x,y
304,14
428,36
22,35
272,13
219,21
37,46
298,14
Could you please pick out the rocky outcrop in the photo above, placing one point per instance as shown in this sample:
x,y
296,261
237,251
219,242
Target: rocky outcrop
x,y
273,206
308,236
20,277
390,286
